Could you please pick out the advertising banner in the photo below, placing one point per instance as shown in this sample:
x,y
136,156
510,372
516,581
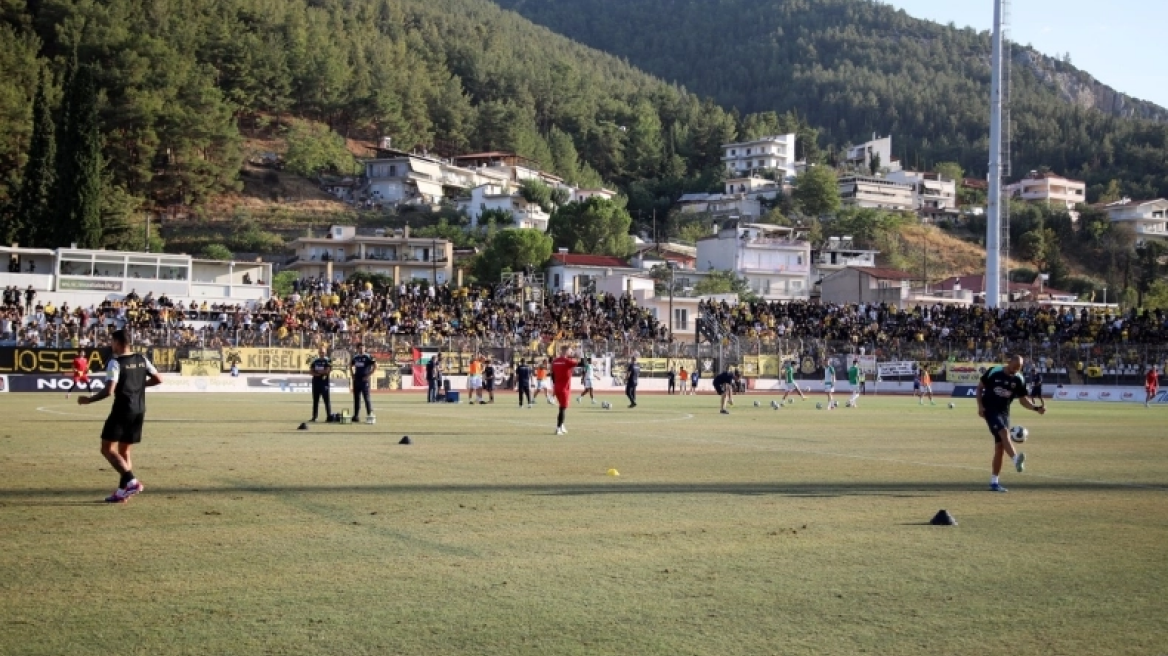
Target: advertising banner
x,y
295,383
34,360
964,391
867,364
902,369
82,285
47,383
199,367
964,373
268,359
3,384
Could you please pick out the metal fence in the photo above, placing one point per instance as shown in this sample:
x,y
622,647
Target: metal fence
x,y
1079,363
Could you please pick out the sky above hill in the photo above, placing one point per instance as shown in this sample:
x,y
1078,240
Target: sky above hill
x,y
1120,42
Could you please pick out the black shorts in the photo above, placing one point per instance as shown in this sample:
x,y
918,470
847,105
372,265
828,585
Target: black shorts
x,y
1036,392
996,421
126,429
720,389
489,385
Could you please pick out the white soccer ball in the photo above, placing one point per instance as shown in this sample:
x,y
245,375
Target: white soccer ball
x,y
818,406
952,405
775,405
1019,434
757,404
606,405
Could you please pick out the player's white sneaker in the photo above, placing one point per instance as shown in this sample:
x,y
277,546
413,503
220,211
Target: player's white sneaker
x,y
1020,462
132,488
560,430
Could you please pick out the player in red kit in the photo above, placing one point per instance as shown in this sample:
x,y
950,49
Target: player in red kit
x,y
80,373
562,383
1151,385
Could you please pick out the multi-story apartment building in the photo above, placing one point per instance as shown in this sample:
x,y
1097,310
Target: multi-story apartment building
x,y
775,262
343,251
861,156
1147,218
1050,188
879,193
774,153
934,197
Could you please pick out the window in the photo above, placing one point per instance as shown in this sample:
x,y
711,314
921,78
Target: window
x,y
556,281
733,152
796,285
747,151
393,170
680,318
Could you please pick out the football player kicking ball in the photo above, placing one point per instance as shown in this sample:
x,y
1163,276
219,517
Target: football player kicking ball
x,y
996,391
80,373
562,380
127,377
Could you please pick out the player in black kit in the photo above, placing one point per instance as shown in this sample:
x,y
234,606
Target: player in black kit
x,y
361,374
632,378
321,367
996,391
523,382
127,377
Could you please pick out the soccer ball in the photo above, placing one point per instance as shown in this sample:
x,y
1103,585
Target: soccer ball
x,y
775,405
606,405
952,405
757,404
818,406
1019,434
849,405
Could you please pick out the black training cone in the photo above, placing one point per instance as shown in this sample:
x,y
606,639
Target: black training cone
x,y
406,440
943,518
302,427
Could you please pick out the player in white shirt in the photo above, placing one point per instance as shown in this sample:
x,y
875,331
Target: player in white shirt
x,y
586,381
829,384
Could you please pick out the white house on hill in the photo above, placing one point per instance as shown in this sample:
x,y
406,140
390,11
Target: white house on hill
x,y
774,261
1148,218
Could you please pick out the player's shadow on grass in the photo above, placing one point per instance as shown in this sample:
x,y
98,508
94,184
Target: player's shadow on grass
x,y
616,488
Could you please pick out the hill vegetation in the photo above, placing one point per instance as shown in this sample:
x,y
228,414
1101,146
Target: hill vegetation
x,y
177,85
853,68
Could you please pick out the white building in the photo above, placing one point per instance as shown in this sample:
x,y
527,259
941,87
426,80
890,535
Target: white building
x,y
720,205
1050,188
507,199
396,177
85,277
934,197
1148,218
776,264
343,252
837,254
774,153
861,156
507,173
575,273
876,193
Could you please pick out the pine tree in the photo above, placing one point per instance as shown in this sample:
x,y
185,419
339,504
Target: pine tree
x,y
32,204
78,191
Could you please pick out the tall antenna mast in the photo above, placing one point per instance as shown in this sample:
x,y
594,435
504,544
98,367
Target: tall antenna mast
x,y
995,226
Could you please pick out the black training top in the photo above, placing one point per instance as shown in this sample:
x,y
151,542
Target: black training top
x,y
1000,388
362,367
129,372
723,379
320,367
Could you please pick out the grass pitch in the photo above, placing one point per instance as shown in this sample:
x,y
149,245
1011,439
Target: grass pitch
x,y
765,532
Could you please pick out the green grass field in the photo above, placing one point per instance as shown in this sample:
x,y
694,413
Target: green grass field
x,y
765,532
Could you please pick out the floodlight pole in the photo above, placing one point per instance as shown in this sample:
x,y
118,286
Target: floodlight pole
x,y
993,272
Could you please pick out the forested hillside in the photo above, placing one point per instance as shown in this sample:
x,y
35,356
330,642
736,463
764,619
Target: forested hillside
x,y
855,67
174,82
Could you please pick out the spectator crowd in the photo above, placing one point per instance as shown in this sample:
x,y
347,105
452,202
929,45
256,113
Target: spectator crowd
x,y
320,311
